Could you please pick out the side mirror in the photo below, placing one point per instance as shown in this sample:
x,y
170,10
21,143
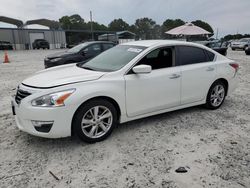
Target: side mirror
x,y
142,69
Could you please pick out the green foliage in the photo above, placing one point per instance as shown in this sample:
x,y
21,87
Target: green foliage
x,y
235,37
204,25
170,24
144,28
76,22
118,25
72,22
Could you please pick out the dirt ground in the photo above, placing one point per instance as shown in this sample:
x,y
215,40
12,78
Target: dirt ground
x,y
214,146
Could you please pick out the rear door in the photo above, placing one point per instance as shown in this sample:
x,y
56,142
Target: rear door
x,y
198,71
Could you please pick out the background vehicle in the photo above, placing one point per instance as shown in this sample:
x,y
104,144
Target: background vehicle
x,y
218,46
5,45
79,53
247,49
40,43
127,82
240,44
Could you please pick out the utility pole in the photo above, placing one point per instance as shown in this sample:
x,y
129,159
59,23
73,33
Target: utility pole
x,y
91,25
217,32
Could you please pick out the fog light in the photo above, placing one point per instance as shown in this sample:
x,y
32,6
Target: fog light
x,y
42,126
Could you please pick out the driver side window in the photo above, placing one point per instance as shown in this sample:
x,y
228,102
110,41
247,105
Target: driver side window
x,y
158,59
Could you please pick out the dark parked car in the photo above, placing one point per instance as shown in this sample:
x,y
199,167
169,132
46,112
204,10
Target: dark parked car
x,y
218,46
4,45
40,43
80,53
247,49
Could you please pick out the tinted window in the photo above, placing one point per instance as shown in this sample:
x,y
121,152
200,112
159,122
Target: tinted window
x,y
93,49
210,55
107,46
159,58
190,55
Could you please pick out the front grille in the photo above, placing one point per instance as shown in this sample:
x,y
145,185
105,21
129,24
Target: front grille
x,y
21,95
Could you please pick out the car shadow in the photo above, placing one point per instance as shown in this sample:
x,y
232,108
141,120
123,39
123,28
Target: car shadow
x,y
74,141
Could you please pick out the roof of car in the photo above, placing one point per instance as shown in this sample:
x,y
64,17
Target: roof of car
x,y
94,42
149,43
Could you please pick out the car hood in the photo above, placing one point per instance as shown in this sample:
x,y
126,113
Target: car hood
x,y
59,54
61,75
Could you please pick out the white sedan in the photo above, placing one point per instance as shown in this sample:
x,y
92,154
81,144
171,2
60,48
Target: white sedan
x,y
128,82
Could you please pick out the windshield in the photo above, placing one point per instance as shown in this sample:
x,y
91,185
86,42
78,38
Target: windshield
x,y
243,40
77,48
114,58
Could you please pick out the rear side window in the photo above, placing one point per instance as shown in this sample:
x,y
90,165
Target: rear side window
x,y
107,46
187,55
210,55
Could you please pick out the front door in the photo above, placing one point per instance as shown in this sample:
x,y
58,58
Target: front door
x,y
157,90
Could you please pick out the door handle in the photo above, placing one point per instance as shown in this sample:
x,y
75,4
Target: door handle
x,y
174,76
210,69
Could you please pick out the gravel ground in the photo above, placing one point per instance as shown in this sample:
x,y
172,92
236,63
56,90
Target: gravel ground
x,y
214,146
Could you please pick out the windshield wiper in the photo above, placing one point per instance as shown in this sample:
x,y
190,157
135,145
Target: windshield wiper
x,y
88,68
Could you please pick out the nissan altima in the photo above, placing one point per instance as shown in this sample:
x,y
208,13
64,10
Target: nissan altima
x,y
127,82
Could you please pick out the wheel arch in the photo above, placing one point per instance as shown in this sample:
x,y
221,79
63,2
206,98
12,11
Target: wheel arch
x,y
224,81
111,100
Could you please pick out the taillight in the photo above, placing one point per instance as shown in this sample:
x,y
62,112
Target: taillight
x,y
235,66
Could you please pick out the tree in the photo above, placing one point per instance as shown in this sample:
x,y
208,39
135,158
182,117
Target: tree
x,y
204,25
144,28
118,25
171,24
96,26
72,22
76,22
157,32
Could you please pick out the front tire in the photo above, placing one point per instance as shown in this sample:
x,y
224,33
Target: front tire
x,y
216,95
95,120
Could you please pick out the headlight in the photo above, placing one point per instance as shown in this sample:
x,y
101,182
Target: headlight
x,y
56,59
53,99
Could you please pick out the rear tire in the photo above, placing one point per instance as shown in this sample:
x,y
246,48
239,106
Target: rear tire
x,y
233,49
216,95
95,120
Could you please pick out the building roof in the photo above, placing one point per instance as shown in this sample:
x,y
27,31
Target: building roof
x,y
13,21
45,22
125,32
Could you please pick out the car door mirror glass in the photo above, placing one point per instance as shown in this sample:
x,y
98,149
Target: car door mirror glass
x,y
142,69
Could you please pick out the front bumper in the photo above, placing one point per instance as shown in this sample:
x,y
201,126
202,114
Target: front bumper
x,y
60,116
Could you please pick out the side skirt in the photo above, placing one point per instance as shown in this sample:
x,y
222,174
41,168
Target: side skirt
x,y
125,118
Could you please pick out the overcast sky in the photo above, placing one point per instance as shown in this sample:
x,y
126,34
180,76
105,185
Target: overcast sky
x,y
230,16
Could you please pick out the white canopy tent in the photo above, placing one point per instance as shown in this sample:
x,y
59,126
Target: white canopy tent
x,y
187,29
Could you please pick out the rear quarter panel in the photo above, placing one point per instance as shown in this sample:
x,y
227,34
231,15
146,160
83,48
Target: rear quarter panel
x,y
224,70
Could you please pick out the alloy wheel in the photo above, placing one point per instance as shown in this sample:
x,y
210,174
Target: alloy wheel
x,y
97,121
217,95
